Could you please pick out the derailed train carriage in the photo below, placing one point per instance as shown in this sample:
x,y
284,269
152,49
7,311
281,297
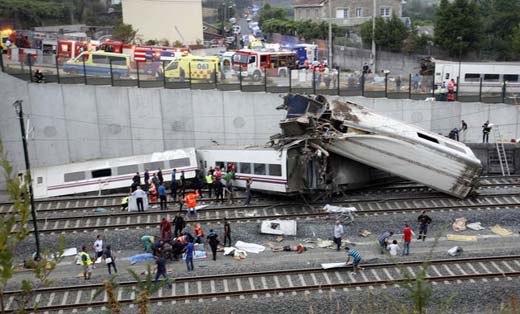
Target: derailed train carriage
x,y
357,133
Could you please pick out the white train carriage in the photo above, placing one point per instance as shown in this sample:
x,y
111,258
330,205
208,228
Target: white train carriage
x,y
284,171
107,174
493,75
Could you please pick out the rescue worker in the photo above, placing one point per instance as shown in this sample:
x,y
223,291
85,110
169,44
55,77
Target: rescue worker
x,y
209,183
183,184
383,239
160,176
179,224
229,177
357,259
147,242
166,229
486,129
146,179
137,179
124,203
86,262
442,92
191,202
198,234
39,77
424,220
213,243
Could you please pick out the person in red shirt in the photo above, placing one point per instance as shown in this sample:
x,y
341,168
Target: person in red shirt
x,y
166,229
407,238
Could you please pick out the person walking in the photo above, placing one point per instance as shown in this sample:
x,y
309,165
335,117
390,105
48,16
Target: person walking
x,y
209,182
173,185
191,202
162,196
227,232
229,177
160,176
139,196
486,129
146,179
424,220
166,229
339,230
213,242
219,191
183,184
86,262
179,224
357,259
137,179
249,195
189,250
160,265
383,240
407,238
110,259
463,130
98,246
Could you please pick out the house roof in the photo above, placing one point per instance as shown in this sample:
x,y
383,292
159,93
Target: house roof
x,y
304,3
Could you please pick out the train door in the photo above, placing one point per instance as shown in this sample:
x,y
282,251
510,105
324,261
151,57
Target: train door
x,y
312,174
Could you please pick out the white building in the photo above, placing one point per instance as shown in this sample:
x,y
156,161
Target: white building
x,y
165,19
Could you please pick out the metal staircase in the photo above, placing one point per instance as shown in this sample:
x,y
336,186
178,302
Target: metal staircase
x,y
501,151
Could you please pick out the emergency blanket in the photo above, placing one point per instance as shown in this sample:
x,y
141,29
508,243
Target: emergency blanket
x,y
459,224
501,231
140,258
236,253
250,247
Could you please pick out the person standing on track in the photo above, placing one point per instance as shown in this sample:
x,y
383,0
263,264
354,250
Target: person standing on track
x,y
98,246
110,259
249,195
357,259
189,250
139,196
227,232
173,185
166,229
219,191
407,238
160,265
339,231
209,183
162,196
424,220
86,262
213,242
179,224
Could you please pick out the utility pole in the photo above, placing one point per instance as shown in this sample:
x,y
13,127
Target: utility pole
x,y
330,35
19,110
373,54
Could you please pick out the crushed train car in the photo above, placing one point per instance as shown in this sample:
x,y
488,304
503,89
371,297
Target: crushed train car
x,y
357,133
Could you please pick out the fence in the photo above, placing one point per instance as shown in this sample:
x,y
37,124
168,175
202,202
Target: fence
x,y
336,82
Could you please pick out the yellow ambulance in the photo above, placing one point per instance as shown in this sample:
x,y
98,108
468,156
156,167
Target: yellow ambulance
x,y
198,68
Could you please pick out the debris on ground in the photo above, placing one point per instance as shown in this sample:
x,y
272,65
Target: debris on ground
x,y
459,224
70,252
501,231
333,265
459,237
364,233
100,210
279,227
455,251
235,253
325,243
279,239
475,226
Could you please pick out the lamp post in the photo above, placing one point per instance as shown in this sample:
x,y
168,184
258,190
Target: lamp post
x,y
330,35
373,54
19,111
459,39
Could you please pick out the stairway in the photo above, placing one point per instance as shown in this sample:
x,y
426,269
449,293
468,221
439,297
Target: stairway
x,y
501,151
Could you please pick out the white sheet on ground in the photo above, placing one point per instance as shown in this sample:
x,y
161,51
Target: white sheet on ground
x,y
70,252
338,209
475,226
333,265
279,227
249,247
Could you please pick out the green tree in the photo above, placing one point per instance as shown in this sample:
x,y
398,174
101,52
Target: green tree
x,y
124,33
144,288
458,27
515,41
268,12
389,33
29,13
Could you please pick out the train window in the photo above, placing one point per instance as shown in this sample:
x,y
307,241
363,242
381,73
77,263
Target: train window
x,y
244,167
229,163
127,169
455,148
74,176
155,165
107,172
447,76
219,164
428,138
179,163
39,180
275,170
259,169
491,77
511,77
471,77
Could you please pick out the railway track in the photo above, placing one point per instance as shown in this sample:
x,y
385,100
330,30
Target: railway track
x,y
258,212
281,282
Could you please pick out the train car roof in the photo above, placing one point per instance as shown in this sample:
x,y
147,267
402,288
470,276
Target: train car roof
x,y
237,147
476,62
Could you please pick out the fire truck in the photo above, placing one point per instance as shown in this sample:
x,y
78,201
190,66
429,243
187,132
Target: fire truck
x,y
69,49
253,63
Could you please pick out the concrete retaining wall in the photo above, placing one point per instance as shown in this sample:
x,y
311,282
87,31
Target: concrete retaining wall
x,y
73,123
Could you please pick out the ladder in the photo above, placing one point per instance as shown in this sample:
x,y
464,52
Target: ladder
x,y
501,151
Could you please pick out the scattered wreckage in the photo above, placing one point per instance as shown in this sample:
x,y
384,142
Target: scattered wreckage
x,y
340,142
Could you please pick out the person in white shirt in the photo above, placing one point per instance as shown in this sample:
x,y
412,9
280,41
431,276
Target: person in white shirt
x,y
98,246
338,233
139,195
393,248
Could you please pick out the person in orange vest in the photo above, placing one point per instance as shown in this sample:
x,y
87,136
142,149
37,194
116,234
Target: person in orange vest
x,y
198,234
191,202
153,192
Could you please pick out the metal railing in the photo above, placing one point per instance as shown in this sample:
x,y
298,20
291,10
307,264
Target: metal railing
x,y
274,80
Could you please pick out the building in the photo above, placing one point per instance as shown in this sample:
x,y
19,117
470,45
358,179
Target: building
x,y
165,19
345,12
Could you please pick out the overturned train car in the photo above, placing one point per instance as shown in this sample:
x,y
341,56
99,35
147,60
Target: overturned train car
x,y
357,133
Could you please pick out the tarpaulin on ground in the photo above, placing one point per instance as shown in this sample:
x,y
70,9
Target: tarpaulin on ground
x,y
459,237
501,231
249,247
475,226
140,258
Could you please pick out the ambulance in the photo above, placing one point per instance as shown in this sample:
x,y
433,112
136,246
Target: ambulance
x,y
196,68
99,63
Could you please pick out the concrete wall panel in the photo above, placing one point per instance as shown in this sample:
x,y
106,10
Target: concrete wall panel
x,y
146,120
178,118
475,114
208,115
266,116
239,118
418,113
445,117
114,121
81,122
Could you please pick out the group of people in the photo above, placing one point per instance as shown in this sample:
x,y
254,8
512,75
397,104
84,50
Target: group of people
x,y
447,91
384,240
105,253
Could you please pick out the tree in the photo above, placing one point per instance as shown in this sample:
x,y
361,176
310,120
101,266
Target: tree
x,y
389,33
268,12
29,13
457,26
144,288
515,41
124,32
